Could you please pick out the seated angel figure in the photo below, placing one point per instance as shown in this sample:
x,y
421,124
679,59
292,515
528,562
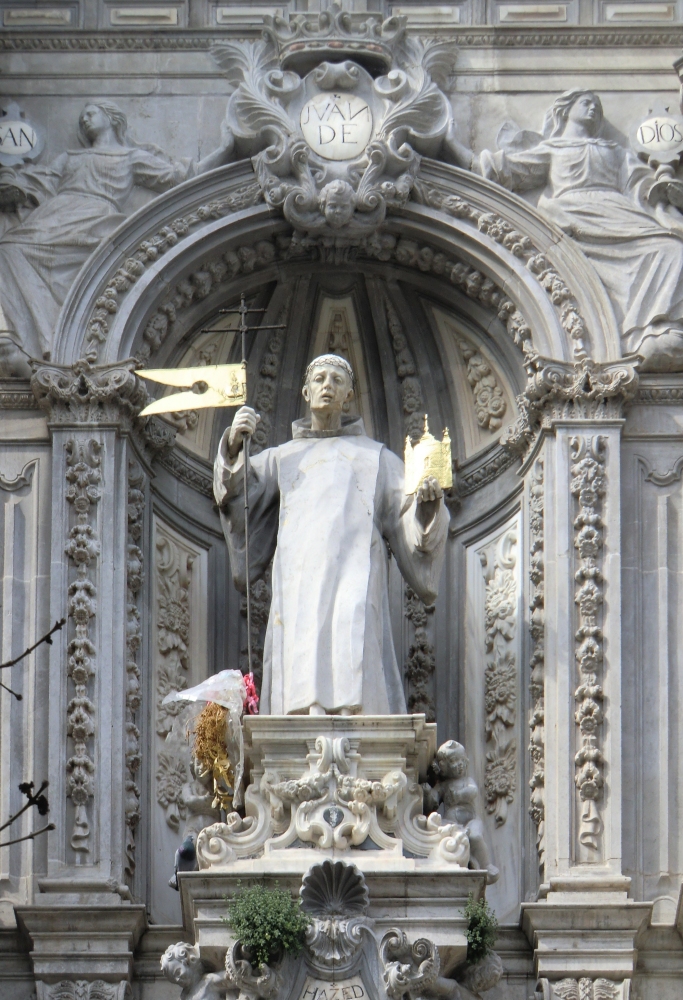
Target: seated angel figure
x,y
56,215
454,796
329,506
595,190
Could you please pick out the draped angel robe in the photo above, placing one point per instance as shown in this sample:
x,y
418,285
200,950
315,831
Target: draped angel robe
x,y
326,506
595,191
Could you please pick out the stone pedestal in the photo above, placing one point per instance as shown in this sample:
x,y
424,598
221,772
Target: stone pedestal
x,y
85,943
341,789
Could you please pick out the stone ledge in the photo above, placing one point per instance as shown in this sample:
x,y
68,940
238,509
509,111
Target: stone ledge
x,y
82,942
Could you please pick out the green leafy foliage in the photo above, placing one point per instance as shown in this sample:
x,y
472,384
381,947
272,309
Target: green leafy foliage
x,y
481,929
267,921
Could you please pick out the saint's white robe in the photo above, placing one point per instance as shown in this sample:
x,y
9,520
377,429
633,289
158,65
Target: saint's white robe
x,y
327,506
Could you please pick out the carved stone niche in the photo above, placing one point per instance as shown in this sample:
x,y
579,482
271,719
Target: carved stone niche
x,y
330,787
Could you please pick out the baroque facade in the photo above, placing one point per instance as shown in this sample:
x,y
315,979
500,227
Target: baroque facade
x,y
480,206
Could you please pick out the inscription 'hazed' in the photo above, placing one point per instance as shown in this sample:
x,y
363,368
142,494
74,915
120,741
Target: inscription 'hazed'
x,y
319,989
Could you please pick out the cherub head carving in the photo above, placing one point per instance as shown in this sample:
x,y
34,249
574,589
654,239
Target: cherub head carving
x,y
451,759
182,965
337,202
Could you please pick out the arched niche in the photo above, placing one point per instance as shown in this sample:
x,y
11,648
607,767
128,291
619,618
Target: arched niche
x,y
438,315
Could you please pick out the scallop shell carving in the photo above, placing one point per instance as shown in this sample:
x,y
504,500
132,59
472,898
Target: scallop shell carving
x,y
334,889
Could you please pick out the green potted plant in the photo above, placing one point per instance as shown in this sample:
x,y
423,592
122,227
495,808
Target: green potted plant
x,y
267,923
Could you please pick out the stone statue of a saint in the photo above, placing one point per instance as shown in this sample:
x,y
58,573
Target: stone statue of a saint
x,y
55,216
595,190
329,505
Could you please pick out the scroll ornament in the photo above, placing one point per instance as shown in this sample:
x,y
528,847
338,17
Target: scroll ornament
x,y
333,148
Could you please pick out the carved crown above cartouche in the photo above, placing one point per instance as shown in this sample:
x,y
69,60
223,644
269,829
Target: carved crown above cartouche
x,y
336,113
305,40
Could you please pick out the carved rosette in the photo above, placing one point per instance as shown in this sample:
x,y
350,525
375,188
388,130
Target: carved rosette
x,y
588,486
522,247
84,482
537,661
134,579
500,677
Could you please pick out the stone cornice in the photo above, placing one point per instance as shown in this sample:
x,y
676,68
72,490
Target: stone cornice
x,y
489,36
556,390
85,394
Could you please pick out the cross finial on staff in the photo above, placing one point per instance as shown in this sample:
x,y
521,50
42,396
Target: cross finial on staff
x,y
215,386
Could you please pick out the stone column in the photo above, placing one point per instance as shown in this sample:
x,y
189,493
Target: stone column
x,y
583,927
94,751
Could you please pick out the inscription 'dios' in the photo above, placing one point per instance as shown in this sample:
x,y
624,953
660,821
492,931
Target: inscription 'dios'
x,y
660,135
319,989
336,126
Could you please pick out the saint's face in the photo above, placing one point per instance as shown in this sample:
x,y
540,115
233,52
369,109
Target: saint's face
x,y
586,111
327,389
93,121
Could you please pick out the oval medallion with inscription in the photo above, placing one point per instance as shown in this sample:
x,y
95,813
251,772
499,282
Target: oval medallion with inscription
x,y
337,126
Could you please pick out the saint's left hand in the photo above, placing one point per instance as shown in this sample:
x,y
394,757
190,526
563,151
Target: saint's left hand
x,y
428,497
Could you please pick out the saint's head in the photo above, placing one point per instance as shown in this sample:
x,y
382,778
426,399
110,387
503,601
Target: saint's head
x,y
328,386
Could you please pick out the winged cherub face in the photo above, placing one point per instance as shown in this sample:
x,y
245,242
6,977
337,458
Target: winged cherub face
x,y
337,202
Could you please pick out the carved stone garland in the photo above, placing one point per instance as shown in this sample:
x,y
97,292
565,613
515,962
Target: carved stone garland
x,y
489,401
589,485
107,304
173,578
521,246
420,663
537,662
134,579
500,678
412,401
82,989
84,481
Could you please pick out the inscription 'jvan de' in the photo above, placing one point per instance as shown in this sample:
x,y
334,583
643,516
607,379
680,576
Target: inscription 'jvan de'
x,y
336,126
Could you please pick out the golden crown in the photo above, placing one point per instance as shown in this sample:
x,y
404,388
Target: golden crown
x,y
305,40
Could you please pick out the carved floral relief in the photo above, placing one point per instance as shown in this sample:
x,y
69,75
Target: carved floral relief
x,y
84,489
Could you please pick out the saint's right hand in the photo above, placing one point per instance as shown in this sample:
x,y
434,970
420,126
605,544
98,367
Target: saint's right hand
x,y
243,425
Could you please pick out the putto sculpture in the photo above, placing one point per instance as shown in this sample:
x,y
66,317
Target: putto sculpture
x,y
457,793
326,505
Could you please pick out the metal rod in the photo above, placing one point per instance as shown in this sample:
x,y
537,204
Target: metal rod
x,y
245,449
